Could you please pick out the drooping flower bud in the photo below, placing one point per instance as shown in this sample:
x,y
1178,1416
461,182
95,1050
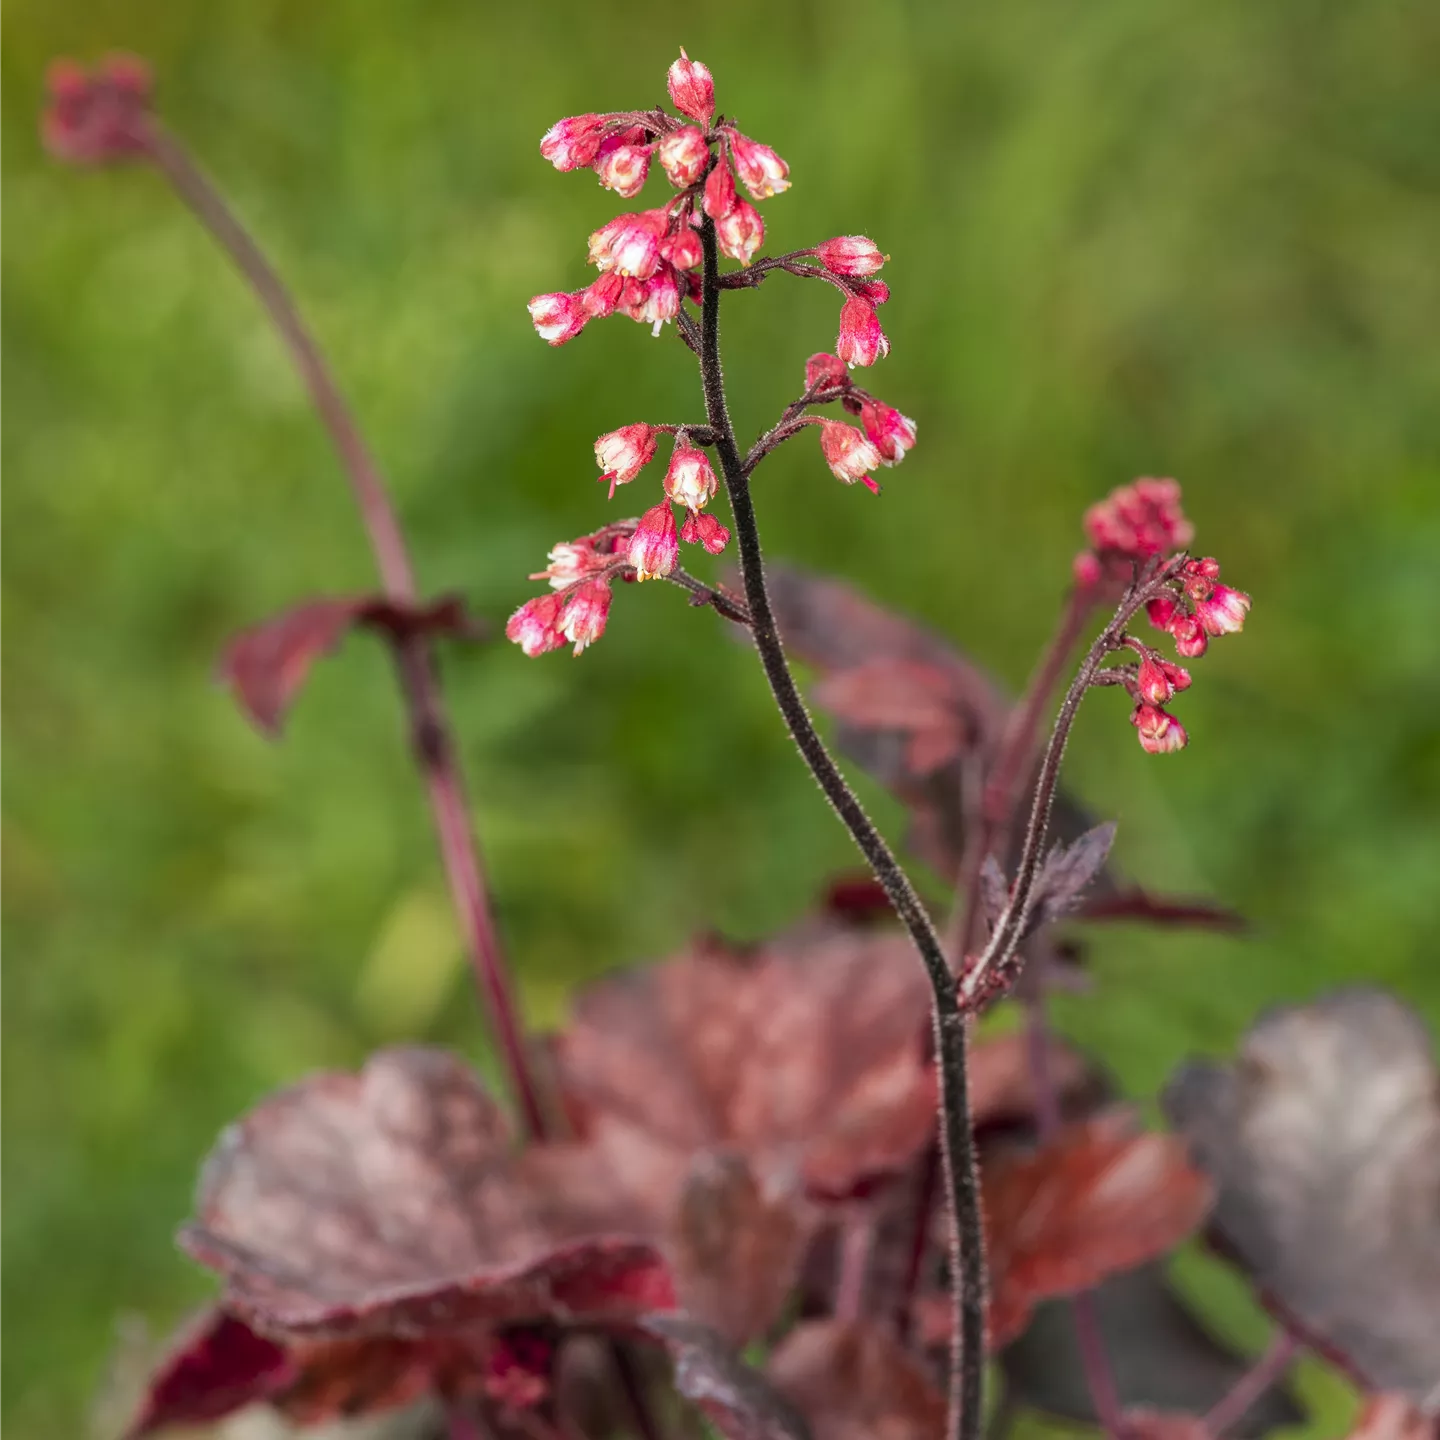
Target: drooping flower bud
x,y
586,609
851,256
692,88
602,296
890,432
690,481
1189,635
624,453
570,560
847,452
720,196
94,117
558,317
572,143
624,169
658,301
862,341
654,547
1152,682
741,233
630,243
763,171
682,249
1158,731
683,155
1087,570
826,371
702,528
877,292
1223,613
534,626
1161,611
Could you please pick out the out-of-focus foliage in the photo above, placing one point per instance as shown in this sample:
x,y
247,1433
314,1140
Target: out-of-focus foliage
x,y
1194,239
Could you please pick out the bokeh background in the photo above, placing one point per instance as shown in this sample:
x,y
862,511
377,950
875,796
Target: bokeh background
x,y
1196,239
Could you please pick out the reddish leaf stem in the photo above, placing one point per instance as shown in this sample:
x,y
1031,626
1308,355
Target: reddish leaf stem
x,y
431,733
857,1236
1099,1375
967,1239
1268,1371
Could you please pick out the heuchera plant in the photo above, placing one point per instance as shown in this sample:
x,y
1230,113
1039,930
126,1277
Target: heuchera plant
x,y
736,1152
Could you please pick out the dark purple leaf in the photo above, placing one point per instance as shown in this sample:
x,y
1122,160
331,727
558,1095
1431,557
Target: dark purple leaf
x,y
1069,870
1132,903
388,1203
1324,1140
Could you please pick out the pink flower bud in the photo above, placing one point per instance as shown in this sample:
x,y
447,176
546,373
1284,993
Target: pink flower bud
x,y
98,116
570,561
692,89
571,144
826,370
586,609
654,547
702,528
682,249
624,453
763,171
534,626
603,296
1153,683
1087,570
1208,568
683,155
847,452
862,341
1224,612
690,481
1139,520
890,432
658,300
1157,731
624,169
631,239
1161,610
851,256
720,196
636,253
877,292
559,317
741,233
1191,641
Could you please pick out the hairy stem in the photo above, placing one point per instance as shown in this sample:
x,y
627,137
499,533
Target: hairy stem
x,y
431,734
956,1137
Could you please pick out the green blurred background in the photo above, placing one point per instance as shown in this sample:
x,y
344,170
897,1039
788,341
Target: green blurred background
x,y
1128,238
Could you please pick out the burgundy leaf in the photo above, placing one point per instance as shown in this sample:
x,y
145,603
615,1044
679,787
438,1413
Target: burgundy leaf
x,y
217,1365
854,1381
736,1250
1160,1355
806,1055
1098,1198
387,1203
1324,1141
1132,903
1069,870
267,665
740,1402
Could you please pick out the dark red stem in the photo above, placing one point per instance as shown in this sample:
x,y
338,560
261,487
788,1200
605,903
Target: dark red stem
x,y
431,734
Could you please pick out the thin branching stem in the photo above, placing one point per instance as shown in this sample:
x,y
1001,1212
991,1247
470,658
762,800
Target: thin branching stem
x,y
956,1136
1267,1372
432,737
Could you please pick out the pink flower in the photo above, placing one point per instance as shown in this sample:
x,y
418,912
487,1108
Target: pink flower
x,y
741,232
624,453
559,317
1087,570
1158,732
571,144
624,169
570,561
654,547
534,628
1140,520
658,300
763,171
1161,610
630,243
702,528
683,155
602,297
97,116
682,249
692,89
851,256
847,452
720,196
586,609
862,341
1191,641
827,371
690,481
1224,612
891,433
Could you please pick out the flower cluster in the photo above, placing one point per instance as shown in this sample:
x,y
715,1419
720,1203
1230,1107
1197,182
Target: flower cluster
x,y
580,573
100,115
1133,527
850,453
648,259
